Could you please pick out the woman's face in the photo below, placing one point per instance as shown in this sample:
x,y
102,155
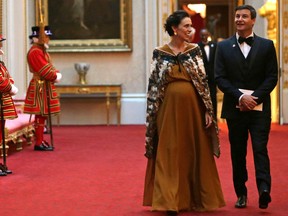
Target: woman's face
x,y
184,29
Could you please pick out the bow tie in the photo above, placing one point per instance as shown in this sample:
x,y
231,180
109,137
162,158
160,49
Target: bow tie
x,y
248,40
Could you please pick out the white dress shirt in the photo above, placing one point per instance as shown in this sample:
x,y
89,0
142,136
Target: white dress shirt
x,y
245,48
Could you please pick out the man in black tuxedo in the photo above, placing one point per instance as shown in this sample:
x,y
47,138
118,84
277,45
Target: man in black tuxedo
x,y
246,70
208,49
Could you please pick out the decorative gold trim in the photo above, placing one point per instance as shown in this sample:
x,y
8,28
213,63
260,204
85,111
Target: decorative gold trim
x,y
121,44
269,11
14,136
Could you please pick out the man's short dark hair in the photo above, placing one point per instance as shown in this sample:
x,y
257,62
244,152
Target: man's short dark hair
x,y
248,7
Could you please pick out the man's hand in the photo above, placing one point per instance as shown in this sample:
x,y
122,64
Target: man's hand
x,y
248,102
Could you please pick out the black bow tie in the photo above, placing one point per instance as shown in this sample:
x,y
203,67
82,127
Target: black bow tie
x,y
248,40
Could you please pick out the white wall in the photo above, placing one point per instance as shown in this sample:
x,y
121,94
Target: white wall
x,y
261,23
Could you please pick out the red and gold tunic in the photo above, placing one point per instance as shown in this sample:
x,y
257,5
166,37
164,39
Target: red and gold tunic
x,y
6,82
44,75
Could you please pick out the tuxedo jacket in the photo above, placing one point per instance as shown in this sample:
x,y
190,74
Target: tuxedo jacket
x,y
257,72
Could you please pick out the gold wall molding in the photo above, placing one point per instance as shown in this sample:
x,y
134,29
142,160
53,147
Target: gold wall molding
x,y
285,43
269,11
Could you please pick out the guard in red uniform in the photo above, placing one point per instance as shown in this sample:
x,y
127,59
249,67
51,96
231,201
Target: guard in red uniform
x,y
7,89
41,86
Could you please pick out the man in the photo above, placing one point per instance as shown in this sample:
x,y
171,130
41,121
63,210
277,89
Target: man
x,y
246,70
7,89
208,49
41,94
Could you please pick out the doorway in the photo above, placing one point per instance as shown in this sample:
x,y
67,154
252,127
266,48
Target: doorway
x,y
218,17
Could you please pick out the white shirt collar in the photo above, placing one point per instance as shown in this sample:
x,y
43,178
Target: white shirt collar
x,y
251,35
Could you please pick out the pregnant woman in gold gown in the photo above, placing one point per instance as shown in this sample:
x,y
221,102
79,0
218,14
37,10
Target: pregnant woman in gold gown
x,y
181,134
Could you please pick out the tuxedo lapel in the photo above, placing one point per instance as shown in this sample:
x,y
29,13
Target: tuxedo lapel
x,y
236,52
205,59
253,51
211,51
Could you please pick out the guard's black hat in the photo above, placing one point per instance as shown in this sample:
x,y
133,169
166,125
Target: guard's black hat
x,y
36,29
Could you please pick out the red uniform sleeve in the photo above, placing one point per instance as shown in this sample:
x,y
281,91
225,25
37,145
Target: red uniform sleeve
x,y
5,84
39,63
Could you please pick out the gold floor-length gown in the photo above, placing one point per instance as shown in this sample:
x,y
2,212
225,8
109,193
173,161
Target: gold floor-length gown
x,y
184,176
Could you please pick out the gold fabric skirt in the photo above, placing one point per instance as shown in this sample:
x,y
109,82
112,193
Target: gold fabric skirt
x,y
183,176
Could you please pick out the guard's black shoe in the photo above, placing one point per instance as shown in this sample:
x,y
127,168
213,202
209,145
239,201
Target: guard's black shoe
x,y
42,148
241,202
47,145
2,173
264,199
5,169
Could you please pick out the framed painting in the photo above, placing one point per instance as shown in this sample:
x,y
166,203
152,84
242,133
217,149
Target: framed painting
x,y
87,25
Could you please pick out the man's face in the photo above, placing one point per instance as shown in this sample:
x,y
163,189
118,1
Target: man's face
x,y
204,35
243,21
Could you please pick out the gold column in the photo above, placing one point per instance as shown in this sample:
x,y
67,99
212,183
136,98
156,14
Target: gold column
x,y
240,2
285,43
269,11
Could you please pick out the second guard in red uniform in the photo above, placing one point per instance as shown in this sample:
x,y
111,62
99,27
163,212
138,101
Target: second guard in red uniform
x,y
41,90
7,89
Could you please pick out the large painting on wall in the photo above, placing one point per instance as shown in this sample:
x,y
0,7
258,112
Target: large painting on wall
x,y
88,25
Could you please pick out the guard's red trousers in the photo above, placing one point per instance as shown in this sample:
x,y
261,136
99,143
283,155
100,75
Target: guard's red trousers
x,y
39,129
1,131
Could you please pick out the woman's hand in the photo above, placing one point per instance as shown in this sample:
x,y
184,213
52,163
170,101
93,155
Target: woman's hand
x,y
208,119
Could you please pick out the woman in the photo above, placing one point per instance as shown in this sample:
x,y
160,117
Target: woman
x,y
181,134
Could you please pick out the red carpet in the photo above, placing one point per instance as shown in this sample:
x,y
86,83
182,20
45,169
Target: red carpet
x,y
99,171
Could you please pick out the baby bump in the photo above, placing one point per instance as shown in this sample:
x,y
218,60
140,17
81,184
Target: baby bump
x,y
180,90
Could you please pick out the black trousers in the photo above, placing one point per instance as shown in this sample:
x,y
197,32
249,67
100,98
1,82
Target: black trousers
x,y
257,125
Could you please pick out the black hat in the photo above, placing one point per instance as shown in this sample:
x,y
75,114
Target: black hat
x,y
47,31
35,31
1,38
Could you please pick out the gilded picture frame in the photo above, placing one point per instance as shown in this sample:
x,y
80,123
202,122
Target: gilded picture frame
x,y
86,26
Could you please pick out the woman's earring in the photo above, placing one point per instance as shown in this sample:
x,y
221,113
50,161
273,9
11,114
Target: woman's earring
x,y
175,33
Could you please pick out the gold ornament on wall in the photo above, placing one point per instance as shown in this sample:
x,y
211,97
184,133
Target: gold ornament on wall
x,y
268,10
285,19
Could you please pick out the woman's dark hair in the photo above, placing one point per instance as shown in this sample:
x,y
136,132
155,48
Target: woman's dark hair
x,y
248,7
174,20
